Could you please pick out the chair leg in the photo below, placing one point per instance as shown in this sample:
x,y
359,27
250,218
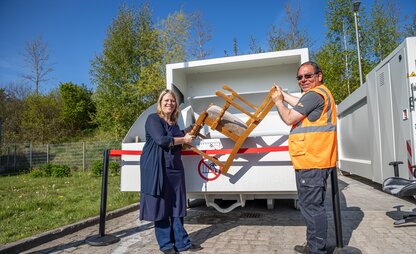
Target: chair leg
x,y
199,123
236,148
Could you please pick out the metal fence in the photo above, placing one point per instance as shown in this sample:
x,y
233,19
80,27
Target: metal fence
x,y
80,156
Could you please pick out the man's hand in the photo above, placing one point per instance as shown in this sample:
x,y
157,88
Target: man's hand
x,y
288,116
277,96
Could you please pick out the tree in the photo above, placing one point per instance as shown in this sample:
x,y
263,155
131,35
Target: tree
x,y
253,45
3,97
18,90
410,29
332,64
378,36
338,56
77,107
385,34
235,46
175,35
202,35
36,58
40,120
12,103
276,39
128,74
280,39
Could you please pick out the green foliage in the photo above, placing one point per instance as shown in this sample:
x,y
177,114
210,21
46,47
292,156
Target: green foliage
x,y
128,73
114,168
97,168
47,168
78,107
338,56
385,33
235,46
175,34
51,170
37,173
333,69
410,29
40,120
277,39
12,103
61,171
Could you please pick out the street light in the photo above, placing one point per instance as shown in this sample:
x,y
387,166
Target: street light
x,y
356,7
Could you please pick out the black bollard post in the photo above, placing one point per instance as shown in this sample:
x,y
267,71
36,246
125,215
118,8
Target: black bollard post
x,y
337,218
102,239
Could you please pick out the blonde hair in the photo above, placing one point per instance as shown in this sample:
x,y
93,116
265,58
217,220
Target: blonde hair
x,y
175,113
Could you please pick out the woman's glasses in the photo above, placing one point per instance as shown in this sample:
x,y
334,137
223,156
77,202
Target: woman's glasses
x,y
307,76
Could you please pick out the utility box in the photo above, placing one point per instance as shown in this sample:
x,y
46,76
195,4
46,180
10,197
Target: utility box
x,y
377,122
262,169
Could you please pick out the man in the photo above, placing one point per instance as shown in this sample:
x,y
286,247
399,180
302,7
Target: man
x,y
312,148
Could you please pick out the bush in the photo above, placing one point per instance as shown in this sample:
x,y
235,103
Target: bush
x,y
114,168
61,171
97,168
37,173
48,170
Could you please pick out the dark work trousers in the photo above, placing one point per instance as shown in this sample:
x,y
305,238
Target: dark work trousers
x,y
311,185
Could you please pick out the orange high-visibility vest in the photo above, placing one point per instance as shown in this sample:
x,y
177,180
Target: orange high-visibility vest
x,y
314,144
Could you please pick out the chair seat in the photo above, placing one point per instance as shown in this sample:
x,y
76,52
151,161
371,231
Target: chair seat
x,y
228,120
399,186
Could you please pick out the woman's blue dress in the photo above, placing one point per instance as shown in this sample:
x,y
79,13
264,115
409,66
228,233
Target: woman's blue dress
x,y
171,201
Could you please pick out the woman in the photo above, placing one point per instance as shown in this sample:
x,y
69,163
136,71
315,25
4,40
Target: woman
x,y
163,193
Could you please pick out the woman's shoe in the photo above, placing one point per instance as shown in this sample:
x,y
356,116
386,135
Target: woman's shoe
x,y
195,247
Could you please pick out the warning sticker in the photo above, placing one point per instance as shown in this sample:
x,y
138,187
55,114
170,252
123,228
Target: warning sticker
x,y
208,170
210,144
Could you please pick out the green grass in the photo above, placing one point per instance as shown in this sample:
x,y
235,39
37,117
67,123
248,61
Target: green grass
x,y
29,206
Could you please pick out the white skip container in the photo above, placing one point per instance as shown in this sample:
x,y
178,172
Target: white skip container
x,y
262,169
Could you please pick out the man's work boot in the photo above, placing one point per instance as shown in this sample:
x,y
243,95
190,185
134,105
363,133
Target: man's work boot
x,y
301,248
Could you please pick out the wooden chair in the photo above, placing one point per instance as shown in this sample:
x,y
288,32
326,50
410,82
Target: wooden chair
x,y
221,120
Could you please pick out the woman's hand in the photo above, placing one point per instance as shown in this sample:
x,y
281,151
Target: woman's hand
x,y
188,138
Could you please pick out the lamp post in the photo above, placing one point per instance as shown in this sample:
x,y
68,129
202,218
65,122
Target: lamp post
x,y
356,7
347,75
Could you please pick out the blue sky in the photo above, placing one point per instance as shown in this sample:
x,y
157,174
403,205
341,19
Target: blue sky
x,y
75,29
